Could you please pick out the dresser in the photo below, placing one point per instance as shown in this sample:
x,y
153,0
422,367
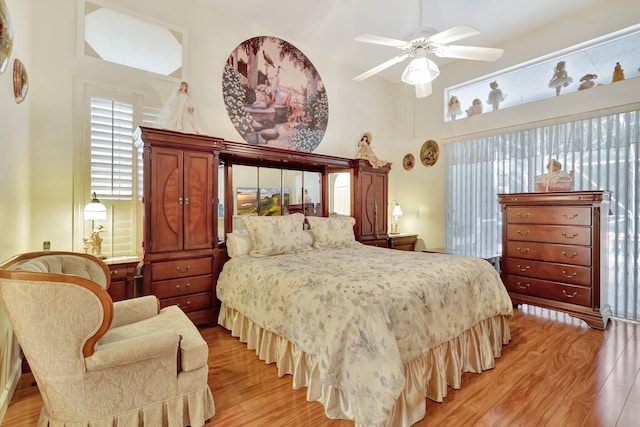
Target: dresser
x,y
555,252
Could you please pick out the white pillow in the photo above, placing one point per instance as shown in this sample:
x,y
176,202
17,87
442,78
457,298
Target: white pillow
x,y
332,232
274,235
238,244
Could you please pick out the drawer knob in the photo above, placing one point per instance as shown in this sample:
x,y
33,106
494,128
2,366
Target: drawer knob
x,y
570,237
526,250
571,276
570,217
521,286
523,269
525,215
526,233
567,295
186,304
573,255
181,270
114,271
187,286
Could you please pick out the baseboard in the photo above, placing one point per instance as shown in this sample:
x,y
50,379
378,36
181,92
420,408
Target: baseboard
x,y
7,393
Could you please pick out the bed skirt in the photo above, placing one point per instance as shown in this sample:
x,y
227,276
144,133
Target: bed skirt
x,y
193,409
426,376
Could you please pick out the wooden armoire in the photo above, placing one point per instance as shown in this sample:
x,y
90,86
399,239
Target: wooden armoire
x,y
180,242
371,202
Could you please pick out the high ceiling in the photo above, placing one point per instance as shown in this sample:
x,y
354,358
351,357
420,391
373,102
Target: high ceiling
x,y
332,25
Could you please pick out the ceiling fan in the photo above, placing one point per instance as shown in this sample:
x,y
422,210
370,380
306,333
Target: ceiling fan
x,y
421,71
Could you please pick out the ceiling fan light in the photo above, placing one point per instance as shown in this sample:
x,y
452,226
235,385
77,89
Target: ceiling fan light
x,y
420,70
423,90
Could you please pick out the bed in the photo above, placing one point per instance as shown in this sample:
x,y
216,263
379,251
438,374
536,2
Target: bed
x,y
370,332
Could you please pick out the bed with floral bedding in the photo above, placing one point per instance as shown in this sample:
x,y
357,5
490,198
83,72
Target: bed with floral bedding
x,y
371,332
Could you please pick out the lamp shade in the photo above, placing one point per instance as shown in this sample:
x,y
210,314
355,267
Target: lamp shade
x,y
420,70
95,210
397,211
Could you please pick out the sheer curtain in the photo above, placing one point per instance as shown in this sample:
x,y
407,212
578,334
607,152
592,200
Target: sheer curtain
x,y
603,151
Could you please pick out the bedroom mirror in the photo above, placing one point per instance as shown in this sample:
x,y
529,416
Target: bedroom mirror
x,y
340,193
221,199
272,194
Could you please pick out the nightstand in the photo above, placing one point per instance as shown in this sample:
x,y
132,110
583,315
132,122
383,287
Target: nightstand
x,y
403,241
123,277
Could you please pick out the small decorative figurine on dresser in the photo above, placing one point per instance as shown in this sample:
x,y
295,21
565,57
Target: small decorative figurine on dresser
x,y
618,73
365,151
454,107
555,180
475,109
495,96
560,78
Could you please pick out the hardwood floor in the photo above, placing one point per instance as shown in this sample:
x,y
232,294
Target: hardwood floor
x,y
555,372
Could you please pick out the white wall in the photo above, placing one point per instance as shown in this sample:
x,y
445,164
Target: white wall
x,y
421,192
14,178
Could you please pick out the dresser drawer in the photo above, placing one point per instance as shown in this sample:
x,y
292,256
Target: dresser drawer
x,y
574,274
194,302
181,287
559,215
550,234
183,268
550,290
577,255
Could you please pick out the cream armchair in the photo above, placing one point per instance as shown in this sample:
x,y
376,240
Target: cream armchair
x,y
99,363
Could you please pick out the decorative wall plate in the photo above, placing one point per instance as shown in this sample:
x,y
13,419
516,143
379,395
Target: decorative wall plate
x,y
6,36
274,95
408,161
429,153
20,81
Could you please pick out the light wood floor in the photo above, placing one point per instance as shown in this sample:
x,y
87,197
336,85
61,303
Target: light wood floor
x,y
555,372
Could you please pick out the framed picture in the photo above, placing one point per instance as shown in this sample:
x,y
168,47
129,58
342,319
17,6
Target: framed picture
x,y
263,201
408,161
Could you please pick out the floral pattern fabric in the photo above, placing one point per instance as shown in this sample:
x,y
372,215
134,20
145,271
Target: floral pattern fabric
x,y
363,312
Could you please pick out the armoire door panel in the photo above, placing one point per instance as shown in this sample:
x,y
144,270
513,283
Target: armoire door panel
x,y
166,200
198,210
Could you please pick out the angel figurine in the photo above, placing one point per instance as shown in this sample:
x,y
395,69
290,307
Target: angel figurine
x,y
560,78
365,151
179,113
475,109
495,96
454,107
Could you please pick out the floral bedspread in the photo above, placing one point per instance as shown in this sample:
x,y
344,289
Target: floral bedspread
x,y
364,311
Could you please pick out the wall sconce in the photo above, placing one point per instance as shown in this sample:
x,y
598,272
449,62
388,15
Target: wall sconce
x,y
395,214
95,211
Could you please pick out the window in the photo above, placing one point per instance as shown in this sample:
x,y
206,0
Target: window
x,y
604,153
529,82
115,35
114,165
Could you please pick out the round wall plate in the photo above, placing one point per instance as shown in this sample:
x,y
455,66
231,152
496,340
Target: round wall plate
x,y
408,161
429,153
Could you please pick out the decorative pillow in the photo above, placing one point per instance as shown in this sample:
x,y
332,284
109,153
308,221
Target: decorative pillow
x,y
238,244
273,235
332,232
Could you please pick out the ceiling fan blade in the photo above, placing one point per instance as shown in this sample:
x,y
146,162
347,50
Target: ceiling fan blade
x,y
381,67
385,41
458,32
469,52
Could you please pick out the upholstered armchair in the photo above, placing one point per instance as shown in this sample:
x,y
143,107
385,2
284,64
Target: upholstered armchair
x,y
99,363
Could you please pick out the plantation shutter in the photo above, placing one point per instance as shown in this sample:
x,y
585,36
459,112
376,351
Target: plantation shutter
x,y
112,151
